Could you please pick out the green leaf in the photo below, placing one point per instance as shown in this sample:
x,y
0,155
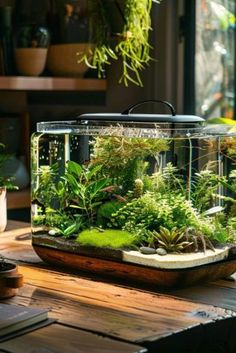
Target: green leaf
x,y
93,171
74,168
70,230
94,188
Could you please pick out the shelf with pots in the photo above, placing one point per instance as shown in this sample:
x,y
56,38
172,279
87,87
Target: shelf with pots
x,y
33,63
90,35
44,67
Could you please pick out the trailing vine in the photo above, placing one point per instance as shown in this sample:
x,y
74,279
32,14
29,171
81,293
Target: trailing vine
x,y
102,53
132,46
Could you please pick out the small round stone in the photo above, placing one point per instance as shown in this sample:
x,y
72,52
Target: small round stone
x,y
52,232
161,251
147,250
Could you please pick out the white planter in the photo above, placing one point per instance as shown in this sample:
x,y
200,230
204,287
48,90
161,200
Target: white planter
x,y
3,209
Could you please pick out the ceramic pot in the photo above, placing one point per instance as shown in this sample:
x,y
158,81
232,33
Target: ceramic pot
x,y
63,59
3,209
30,61
10,280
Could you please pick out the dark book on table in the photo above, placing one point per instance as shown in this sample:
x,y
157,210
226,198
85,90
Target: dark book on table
x,y
14,318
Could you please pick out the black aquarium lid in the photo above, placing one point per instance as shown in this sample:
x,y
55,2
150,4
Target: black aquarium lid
x,y
129,124
128,116
155,118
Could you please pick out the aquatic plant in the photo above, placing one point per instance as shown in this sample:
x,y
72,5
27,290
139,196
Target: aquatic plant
x,y
105,211
68,203
228,146
151,211
230,197
138,188
85,188
118,151
167,180
115,191
63,223
126,159
45,193
231,229
205,189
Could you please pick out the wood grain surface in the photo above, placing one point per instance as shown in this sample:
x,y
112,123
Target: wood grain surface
x,y
136,316
62,339
135,273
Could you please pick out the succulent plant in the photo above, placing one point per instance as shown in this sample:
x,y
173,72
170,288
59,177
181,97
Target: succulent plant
x,y
173,240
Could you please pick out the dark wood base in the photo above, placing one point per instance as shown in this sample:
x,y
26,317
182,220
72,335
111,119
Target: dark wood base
x,y
137,273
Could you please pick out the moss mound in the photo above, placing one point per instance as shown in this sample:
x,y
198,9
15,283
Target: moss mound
x,y
109,238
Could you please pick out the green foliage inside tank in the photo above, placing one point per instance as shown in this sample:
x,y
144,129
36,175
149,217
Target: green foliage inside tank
x,y
122,198
126,159
111,238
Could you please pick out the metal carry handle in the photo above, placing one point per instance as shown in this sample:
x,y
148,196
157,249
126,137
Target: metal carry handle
x,y
129,110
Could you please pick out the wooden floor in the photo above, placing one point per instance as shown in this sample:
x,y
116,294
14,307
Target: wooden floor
x,y
94,315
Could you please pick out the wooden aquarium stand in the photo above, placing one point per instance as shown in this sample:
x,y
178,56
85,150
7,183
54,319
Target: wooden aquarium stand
x,y
169,271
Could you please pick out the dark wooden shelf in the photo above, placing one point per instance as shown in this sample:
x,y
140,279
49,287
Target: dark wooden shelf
x,y
18,199
22,83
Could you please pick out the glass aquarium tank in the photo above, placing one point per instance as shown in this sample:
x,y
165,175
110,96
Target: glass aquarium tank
x,y
142,196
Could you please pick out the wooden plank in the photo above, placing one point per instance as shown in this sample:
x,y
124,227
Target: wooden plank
x,y
18,226
15,242
61,339
118,312
221,293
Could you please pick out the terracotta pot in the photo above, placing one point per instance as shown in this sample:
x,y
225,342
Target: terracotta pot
x,y
30,61
10,280
3,209
63,59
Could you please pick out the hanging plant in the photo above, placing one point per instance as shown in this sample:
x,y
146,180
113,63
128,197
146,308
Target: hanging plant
x,y
132,42
134,47
99,30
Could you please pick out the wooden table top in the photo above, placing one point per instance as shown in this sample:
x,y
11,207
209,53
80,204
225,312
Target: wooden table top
x,y
95,315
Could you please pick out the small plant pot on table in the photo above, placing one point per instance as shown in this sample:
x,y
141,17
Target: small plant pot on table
x,y
10,279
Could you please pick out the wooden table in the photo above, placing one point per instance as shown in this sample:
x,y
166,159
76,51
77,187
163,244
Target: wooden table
x,y
97,316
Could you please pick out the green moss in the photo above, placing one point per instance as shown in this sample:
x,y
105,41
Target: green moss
x,y
111,238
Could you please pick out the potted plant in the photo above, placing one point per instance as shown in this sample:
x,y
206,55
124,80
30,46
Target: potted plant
x,y
31,49
10,279
6,183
